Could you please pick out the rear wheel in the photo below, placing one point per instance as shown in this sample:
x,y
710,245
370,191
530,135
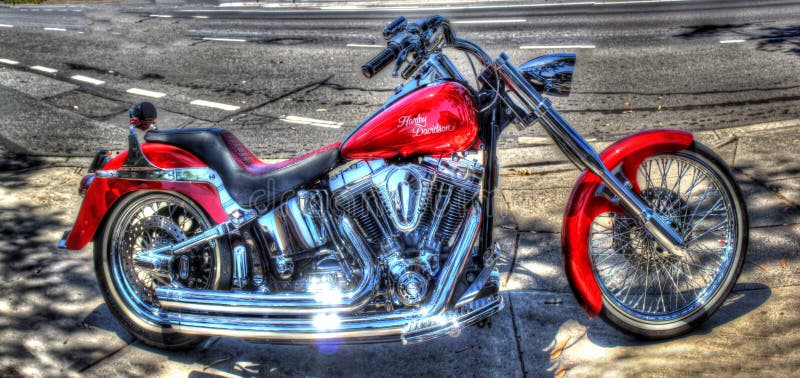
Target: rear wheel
x,y
141,222
654,294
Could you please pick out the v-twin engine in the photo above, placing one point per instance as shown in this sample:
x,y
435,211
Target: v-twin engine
x,y
376,255
409,215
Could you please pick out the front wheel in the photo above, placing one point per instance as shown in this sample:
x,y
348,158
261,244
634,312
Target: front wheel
x,y
649,292
140,222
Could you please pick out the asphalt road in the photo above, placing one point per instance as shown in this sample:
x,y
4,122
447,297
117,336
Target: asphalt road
x,y
690,65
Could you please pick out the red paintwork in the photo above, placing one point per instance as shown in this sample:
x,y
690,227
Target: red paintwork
x,y
103,193
583,206
164,156
442,120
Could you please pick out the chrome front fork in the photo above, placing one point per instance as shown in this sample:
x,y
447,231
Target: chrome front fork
x,y
578,150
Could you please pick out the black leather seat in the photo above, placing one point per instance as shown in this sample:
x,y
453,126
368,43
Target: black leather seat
x,y
249,181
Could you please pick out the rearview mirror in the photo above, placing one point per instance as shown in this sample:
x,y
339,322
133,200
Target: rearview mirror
x,y
550,74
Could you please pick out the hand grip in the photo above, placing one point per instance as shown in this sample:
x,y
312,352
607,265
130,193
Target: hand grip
x,y
393,27
377,63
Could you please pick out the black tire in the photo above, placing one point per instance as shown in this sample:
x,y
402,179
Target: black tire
x,y
132,312
625,320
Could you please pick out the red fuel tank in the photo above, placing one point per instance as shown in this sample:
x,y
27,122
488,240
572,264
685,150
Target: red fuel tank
x,y
435,120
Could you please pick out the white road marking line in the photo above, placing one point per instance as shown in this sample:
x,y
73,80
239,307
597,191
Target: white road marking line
x,y
55,29
343,7
44,69
240,4
214,105
495,21
87,79
639,2
9,61
367,46
144,92
528,47
6,26
161,15
311,121
200,17
224,39
733,41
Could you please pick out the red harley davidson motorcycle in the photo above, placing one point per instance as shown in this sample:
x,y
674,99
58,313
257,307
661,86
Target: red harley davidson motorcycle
x,y
388,234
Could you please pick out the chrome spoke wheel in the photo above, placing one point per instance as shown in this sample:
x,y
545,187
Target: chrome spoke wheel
x,y
642,280
155,221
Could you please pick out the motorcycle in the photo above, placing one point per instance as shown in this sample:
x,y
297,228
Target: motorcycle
x,y
387,236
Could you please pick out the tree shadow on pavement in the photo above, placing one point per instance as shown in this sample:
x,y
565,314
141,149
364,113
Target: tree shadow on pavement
x,y
44,291
738,304
778,39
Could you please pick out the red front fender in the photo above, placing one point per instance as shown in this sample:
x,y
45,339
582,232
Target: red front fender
x,y
103,193
583,206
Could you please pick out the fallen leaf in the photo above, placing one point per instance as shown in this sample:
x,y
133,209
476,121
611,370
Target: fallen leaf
x,y
562,371
628,111
659,107
627,103
762,267
66,341
217,362
783,263
523,172
556,353
75,107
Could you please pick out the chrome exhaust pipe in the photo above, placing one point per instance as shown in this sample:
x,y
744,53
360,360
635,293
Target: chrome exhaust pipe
x,y
410,325
250,303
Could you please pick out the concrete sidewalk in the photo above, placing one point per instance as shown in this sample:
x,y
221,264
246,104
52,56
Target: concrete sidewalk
x,y
54,321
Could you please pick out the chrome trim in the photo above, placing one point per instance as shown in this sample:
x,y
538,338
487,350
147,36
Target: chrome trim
x,y
330,327
293,227
254,303
236,213
240,266
488,271
453,321
404,193
551,73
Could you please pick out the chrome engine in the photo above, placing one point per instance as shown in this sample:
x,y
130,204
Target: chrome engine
x,y
377,255
404,216
408,214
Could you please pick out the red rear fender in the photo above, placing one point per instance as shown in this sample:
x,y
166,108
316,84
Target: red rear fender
x,y
583,206
103,193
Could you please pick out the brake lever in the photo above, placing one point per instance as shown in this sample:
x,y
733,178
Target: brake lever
x,y
401,58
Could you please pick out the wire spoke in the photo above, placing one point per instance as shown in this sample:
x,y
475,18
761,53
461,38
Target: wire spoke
x,y
632,269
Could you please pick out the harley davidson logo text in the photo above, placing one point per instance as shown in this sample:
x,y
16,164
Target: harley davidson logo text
x,y
419,126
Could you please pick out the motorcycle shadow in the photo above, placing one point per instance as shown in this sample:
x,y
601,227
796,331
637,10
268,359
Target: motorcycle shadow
x,y
745,298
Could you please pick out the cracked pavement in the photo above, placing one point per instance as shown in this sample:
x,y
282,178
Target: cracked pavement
x,y
654,66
